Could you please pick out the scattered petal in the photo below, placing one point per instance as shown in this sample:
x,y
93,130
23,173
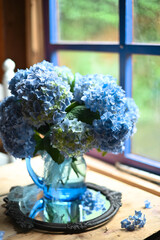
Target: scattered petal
x,y
133,222
147,204
1,234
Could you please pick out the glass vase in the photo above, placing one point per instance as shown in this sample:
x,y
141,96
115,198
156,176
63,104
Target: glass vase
x,y
63,186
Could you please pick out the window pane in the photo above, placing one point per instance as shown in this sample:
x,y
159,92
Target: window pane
x,y
90,62
146,21
146,92
81,20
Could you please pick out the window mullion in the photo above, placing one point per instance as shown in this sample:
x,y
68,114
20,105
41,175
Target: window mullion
x,y
129,22
122,25
53,29
125,36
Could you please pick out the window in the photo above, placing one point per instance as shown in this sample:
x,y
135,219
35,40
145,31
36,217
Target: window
x,y
120,38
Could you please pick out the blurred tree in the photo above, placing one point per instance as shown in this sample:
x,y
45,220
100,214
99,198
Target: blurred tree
x,y
85,20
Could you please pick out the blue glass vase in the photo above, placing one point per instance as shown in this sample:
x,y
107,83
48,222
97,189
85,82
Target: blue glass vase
x,y
63,186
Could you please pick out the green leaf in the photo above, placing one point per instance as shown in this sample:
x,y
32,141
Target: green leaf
x,y
83,114
43,144
104,153
39,143
72,85
73,165
53,152
71,106
76,170
99,150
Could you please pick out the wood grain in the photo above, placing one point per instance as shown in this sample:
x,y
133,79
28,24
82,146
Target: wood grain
x,y
14,174
110,170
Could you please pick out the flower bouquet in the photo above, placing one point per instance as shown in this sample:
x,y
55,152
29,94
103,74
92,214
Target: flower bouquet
x,y
62,115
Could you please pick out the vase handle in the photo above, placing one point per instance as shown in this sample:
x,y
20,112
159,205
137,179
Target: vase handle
x,y
38,206
36,179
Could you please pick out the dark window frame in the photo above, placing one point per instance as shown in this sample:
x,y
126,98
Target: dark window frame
x,y
125,48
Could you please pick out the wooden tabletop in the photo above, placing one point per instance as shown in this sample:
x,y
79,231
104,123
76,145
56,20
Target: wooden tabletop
x,y
132,199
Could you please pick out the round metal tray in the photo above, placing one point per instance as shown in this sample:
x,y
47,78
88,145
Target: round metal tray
x,y
19,214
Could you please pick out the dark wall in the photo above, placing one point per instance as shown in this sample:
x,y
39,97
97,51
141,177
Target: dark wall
x,y
13,32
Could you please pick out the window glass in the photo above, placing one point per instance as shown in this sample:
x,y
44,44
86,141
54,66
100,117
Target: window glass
x,y
146,21
86,21
90,62
81,20
146,92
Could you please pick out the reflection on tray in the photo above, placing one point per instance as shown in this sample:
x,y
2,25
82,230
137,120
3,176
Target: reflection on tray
x,y
32,203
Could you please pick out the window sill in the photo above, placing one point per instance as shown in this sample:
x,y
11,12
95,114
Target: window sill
x,y
110,171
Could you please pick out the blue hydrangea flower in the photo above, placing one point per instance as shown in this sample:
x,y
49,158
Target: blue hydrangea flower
x,y
65,73
19,75
104,96
72,137
131,111
133,222
92,201
111,130
118,114
44,66
90,81
16,134
147,204
81,84
43,94
62,71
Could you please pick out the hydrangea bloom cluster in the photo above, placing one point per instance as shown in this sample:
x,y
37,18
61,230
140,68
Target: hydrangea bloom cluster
x,y
44,95
92,201
16,133
104,96
118,114
83,83
113,129
74,113
63,72
133,222
72,137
